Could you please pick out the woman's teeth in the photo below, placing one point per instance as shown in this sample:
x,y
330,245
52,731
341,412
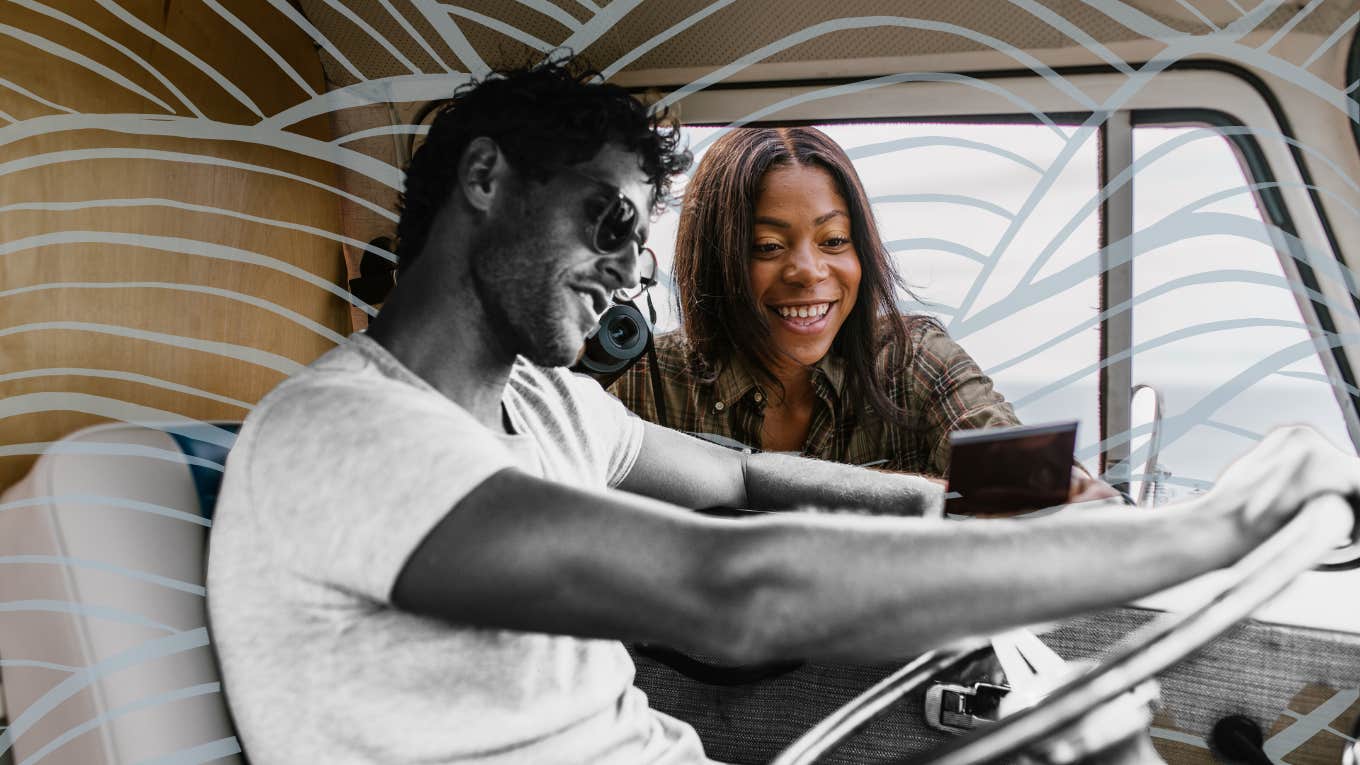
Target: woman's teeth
x,y
803,311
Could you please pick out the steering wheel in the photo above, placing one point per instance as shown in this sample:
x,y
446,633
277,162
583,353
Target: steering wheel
x,y
1298,546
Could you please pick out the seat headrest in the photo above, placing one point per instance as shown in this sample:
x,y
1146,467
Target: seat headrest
x,y
207,477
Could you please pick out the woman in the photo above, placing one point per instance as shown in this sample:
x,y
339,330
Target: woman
x,y
791,336
792,341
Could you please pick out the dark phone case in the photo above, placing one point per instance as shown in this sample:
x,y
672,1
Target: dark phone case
x,y
1010,470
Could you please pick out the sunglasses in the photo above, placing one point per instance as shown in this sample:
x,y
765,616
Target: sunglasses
x,y
614,225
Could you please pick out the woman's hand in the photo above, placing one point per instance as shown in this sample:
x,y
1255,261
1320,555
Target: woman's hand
x,y
1085,488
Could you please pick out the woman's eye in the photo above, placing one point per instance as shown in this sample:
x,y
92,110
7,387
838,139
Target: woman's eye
x,y
836,242
764,249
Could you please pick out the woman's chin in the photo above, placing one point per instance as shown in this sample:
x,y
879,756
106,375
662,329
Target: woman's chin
x,y
801,351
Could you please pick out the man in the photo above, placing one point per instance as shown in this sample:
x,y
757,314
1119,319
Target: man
x,y
430,543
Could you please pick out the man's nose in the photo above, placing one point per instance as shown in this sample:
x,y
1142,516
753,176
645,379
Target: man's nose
x,y
620,268
805,265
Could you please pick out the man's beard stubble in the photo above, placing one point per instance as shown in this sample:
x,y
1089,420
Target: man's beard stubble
x,y
514,306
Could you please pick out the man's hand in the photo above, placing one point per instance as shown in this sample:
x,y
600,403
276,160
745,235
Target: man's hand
x,y
1290,466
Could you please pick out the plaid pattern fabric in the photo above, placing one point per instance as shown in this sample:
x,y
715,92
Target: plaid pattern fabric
x,y
938,383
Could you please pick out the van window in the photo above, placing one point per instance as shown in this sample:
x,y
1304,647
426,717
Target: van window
x,y
1216,327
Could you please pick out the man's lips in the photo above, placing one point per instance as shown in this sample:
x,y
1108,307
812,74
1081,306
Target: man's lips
x,y
597,299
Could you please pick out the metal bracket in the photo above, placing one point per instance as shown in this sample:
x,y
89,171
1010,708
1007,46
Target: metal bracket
x,y
960,708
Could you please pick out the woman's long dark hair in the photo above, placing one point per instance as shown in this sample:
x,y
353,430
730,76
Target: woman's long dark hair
x,y
713,248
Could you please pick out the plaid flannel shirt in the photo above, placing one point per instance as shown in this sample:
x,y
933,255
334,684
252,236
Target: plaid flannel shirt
x,y
938,384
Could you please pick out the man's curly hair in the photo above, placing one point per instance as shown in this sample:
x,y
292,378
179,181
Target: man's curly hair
x,y
543,118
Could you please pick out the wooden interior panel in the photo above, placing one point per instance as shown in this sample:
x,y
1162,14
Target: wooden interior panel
x,y
46,70
116,299
358,222
21,107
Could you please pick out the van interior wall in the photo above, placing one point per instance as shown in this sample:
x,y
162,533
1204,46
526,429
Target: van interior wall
x,y
153,268
382,137
158,268
661,46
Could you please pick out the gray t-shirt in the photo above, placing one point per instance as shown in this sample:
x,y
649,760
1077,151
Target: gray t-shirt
x,y
337,476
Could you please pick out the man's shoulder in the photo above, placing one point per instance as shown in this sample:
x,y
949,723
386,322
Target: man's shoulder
x,y
338,373
528,376
341,390
555,388
578,425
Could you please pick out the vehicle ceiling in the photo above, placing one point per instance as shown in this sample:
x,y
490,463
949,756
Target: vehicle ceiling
x,y
730,31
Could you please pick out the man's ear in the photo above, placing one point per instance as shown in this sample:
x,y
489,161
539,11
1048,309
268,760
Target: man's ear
x,y
482,172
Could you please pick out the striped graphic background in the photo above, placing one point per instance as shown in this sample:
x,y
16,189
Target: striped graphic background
x,y
186,188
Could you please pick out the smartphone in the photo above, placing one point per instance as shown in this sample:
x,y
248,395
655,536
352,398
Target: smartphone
x,y
1008,471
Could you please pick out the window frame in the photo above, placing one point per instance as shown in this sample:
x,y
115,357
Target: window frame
x,y
1272,154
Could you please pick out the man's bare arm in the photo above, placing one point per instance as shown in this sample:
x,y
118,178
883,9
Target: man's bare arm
x,y
527,554
693,473
523,553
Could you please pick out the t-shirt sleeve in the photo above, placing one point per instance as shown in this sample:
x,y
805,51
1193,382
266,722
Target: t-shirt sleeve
x,y
349,483
614,433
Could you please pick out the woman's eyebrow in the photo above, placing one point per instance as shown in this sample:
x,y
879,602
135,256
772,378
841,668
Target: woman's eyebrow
x,y
819,221
823,218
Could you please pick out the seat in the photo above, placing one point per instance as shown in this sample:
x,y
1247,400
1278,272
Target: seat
x,y
104,649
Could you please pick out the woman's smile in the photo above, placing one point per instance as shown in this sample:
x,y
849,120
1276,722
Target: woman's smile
x,y
805,318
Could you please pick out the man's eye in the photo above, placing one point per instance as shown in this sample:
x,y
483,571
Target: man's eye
x,y
596,206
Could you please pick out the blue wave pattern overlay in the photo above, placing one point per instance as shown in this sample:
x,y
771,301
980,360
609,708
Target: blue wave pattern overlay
x,y
1025,252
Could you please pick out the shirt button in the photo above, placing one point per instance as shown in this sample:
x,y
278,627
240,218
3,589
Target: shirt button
x,y
718,406
759,396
